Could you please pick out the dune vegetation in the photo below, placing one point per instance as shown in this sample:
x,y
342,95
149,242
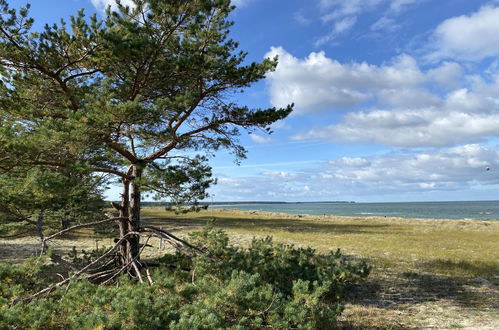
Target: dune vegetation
x,y
425,273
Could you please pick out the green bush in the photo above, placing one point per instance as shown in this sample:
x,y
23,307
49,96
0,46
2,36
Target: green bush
x,y
264,285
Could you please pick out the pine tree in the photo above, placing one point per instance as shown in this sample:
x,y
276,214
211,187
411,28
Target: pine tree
x,y
128,96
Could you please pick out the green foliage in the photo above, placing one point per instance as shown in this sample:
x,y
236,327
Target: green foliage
x,y
183,183
58,197
265,285
15,280
277,264
83,258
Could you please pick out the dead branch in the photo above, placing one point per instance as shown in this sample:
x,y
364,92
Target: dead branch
x,y
127,265
90,224
172,237
137,271
76,274
149,278
116,206
58,260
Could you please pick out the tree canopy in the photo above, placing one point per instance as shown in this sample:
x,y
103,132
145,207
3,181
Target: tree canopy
x,y
127,96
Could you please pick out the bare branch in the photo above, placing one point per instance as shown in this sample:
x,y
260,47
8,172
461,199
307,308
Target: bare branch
x,y
169,235
137,271
111,171
90,224
77,274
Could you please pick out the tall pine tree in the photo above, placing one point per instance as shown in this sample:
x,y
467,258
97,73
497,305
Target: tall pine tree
x,y
126,96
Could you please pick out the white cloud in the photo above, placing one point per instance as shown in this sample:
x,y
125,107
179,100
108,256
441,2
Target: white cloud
x,y
318,83
344,25
400,5
342,15
450,169
301,18
339,9
340,27
408,128
472,37
386,24
408,98
260,139
448,75
403,104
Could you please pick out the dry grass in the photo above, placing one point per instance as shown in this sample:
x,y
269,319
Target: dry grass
x,y
427,273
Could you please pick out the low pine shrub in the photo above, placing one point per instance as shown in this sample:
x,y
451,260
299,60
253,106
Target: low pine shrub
x,y
265,285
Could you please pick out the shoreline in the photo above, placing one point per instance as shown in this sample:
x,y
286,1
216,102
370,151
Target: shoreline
x,y
334,217
474,210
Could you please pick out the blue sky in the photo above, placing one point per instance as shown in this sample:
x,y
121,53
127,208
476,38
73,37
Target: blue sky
x,y
395,100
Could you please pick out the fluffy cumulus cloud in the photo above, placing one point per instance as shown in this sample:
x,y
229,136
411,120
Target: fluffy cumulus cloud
x,y
448,169
468,37
319,83
451,168
461,116
402,104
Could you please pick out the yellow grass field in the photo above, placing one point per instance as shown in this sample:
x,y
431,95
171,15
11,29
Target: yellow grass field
x,y
426,273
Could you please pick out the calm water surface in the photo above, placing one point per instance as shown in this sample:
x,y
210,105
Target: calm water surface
x,y
483,210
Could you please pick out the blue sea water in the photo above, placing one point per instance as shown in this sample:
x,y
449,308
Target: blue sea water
x,y
478,210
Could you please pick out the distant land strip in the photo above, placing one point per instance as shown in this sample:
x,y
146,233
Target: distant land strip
x,y
248,202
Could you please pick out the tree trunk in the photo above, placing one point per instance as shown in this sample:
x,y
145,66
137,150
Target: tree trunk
x,y
130,209
134,215
39,231
124,228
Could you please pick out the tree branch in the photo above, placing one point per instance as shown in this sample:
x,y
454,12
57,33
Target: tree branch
x,y
122,151
169,235
111,171
90,224
76,75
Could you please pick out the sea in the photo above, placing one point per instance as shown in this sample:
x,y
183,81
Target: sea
x,y
473,210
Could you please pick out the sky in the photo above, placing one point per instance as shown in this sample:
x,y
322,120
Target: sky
x,y
395,100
